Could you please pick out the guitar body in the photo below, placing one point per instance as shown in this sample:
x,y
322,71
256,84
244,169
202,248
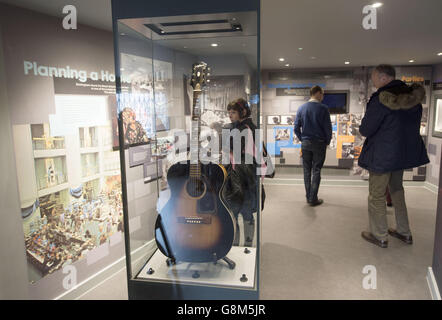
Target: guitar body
x,y
195,225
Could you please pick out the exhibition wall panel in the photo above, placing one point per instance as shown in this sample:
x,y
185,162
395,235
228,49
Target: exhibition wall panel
x,y
13,282
285,91
60,89
437,254
435,150
434,143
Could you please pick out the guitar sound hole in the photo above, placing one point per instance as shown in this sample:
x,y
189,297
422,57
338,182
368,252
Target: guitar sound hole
x,y
195,187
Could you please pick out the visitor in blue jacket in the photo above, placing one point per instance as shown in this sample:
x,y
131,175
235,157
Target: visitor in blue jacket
x,y
391,125
313,128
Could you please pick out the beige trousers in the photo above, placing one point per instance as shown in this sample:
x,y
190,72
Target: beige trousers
x,y
377,211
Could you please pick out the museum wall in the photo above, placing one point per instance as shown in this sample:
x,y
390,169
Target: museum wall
x,y
32,43
434,145
13,279
283,92
435,150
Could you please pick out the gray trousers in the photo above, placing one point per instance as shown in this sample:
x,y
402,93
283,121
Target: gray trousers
x,y
377,211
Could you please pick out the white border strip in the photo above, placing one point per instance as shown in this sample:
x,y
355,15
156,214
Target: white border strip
x,y
431,187
432,284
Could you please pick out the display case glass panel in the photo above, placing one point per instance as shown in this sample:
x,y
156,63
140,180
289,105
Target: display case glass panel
x,y
184,236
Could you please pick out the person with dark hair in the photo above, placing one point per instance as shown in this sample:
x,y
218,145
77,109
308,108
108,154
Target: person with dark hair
x,y
393,143
313,128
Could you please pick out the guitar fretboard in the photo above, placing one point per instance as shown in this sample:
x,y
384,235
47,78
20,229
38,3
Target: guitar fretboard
x,y
195,165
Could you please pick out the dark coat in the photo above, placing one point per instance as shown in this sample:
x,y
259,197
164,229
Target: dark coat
x,y
392,127
240,192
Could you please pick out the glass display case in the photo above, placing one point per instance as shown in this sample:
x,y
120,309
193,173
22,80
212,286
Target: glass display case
x,y
189,233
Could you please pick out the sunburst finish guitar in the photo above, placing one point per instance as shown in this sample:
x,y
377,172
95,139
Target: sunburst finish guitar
x,y
195,225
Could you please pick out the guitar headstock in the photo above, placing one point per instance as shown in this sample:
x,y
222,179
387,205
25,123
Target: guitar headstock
x,y
200,74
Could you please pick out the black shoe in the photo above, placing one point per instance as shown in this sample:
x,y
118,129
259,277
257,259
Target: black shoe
x,y
368,236
406,239
389,204
316,203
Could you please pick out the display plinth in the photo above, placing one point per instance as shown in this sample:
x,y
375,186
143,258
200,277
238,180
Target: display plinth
x,y
209,273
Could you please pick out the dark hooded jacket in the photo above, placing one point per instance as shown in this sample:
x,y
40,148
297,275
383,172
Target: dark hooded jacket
x,y
391,126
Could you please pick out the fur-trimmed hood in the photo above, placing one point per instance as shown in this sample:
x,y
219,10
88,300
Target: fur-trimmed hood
x,y
402,96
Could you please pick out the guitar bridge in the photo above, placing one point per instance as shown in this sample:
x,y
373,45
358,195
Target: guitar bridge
x,y
195,220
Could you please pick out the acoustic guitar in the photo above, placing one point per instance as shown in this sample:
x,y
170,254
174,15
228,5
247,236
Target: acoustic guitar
x,y
195,225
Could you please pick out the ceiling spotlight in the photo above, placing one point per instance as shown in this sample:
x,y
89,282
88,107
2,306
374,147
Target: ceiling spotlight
x,y
377,5
122,34
300,48
411,61
185,47
162,31
439,54
313,58
287,65
214,44
347,62
281,59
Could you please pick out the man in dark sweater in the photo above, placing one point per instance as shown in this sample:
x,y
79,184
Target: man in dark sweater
x,y
393,143
313,129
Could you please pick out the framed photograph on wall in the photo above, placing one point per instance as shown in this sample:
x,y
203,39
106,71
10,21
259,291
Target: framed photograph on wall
x,y
437,118
274,119
290,120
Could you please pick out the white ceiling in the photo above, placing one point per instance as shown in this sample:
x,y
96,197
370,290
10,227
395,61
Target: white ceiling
x,y
330,30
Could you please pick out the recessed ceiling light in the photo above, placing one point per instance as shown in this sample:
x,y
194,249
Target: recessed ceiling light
x,y
377,5
313,58
281,59
287,65
347,62
411,61
439,54
300,48
185,47
162,31
122,34
214,44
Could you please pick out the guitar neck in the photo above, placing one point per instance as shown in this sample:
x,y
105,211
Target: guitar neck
x,y
195,164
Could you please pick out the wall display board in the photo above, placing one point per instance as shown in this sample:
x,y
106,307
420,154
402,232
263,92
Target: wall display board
x,y
275,119
437,119
68,173
79,198
348,139
194,244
